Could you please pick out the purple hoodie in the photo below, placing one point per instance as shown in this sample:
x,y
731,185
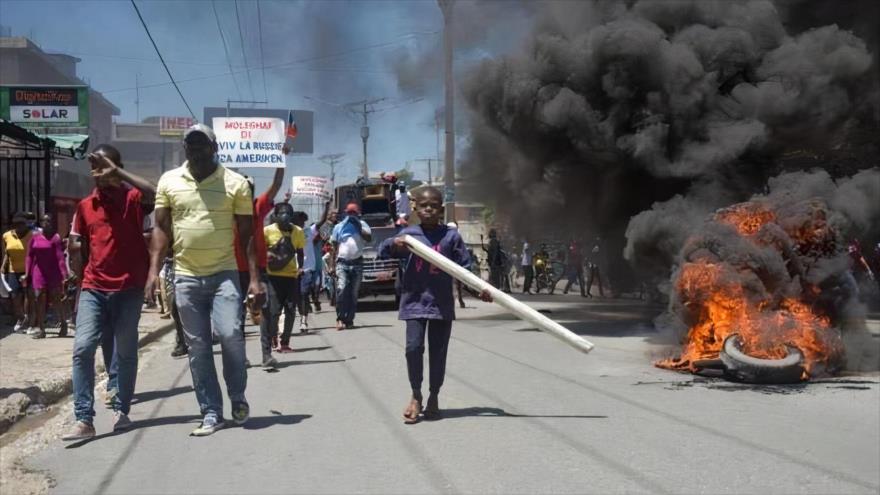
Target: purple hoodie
x,y
426,291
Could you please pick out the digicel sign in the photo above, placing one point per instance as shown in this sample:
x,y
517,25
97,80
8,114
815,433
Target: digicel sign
x,y
49,106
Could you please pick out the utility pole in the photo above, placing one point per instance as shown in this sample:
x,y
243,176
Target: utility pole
x,y
365,129
430,173
332,160
449,163
137,98
365,134
437,131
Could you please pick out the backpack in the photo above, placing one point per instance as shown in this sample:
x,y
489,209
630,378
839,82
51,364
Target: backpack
x,y
282,252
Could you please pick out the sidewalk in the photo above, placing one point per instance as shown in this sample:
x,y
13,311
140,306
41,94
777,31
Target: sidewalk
x,y
37,373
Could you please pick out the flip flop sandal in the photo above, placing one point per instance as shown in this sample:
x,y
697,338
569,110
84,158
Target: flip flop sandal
x,y
413,416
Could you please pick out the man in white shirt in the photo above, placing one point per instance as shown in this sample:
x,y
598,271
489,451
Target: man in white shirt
x,y
527,268
348,240
309,277
401,199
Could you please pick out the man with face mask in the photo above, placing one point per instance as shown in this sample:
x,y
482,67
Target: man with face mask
x,y
348,239
285,242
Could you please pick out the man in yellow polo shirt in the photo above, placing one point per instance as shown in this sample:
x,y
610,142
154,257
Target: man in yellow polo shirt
x,y
197,205
14,249
284,240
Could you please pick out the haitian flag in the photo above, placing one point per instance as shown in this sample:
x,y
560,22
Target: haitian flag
x,y
291,125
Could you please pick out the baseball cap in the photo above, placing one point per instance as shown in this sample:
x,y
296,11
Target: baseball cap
x,y
202,128
352,208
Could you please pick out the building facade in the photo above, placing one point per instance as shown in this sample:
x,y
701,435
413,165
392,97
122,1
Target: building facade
x,y
24,63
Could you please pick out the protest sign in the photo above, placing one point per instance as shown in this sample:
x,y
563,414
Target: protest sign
x,y
253,142
312,187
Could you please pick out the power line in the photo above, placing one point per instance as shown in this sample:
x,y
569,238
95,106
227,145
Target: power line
x,y
160,58
401,104
262,59
243,54
359,70
225,48
332,160
283,65
136,59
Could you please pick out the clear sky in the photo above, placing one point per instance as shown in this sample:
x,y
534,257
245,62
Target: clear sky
x,y
334,52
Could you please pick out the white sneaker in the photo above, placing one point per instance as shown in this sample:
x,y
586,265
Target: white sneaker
x,y
32,331
304,325
209,425
19,326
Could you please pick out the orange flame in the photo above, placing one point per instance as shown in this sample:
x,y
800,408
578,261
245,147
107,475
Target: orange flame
x,y
747,218
714,307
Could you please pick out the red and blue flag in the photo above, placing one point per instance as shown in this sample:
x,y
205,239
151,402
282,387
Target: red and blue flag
x,y
291,125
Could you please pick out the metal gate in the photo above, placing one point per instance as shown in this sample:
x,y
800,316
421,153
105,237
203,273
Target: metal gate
x,y
25,180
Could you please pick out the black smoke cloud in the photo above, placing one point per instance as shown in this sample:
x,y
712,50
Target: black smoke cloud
x,y
660,112
479,28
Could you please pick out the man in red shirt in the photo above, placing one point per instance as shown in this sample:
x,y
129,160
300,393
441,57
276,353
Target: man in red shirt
x,y
115,262
263,204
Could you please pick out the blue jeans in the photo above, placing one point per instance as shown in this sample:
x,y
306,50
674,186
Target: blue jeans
x,y
348,282
438,332
203,303
111,361
307,283
101,313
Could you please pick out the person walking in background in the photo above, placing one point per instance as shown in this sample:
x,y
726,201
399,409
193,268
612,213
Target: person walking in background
x,y
108,228
595,274
325,232
263,205
401,204
45,273
310,267
71,283
459,287
15,248
285,242
348,239
167,280
32,223
528,270
319,245
574,268
198,205
495,260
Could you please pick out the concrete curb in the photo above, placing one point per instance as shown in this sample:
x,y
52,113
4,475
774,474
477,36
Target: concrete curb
x,y
50,391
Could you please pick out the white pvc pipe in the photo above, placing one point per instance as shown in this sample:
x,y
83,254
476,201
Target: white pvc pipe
x,y
519,309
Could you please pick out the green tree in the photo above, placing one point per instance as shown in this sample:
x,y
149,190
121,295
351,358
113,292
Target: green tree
x,y
404,175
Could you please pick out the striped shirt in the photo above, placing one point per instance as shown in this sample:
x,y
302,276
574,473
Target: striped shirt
x,y
203,215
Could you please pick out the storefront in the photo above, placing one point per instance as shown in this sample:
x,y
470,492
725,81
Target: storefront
x,y
28,175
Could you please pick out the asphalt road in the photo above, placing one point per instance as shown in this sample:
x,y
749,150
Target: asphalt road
x,y
523,414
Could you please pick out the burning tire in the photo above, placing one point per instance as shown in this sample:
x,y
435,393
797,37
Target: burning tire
x,y
742,367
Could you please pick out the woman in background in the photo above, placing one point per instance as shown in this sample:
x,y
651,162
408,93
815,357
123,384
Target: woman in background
x,y
45,273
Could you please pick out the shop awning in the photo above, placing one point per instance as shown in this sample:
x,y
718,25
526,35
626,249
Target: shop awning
x,y
60,145
70,145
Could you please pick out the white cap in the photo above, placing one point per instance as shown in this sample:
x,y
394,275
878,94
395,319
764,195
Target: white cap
x,y
202,128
